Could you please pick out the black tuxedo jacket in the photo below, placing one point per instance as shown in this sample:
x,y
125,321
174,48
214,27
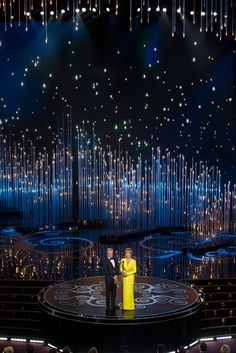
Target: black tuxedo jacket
x,y
109,270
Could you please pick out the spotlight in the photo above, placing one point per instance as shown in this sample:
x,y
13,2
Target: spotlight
x,y
215,14
28,14
94,9
158,9
51,13
51,346
164,9
179,10
203,13
42,13
207,339
77,10
84,9
63,10
192,12
138,9
193,343
108,9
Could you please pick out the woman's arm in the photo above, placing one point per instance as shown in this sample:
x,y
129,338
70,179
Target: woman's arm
x,y
121,265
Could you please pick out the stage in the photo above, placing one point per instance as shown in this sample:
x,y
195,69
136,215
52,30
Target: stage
x,y
84,300
162,306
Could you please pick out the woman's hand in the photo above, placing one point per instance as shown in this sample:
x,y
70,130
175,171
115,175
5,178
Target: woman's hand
x,y
124,274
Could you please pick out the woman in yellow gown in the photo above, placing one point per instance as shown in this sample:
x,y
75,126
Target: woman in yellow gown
x,y
128,270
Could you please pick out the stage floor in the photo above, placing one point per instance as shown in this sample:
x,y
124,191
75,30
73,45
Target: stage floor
x,y
155,298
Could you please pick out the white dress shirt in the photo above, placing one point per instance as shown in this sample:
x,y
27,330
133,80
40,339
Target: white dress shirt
x,y
112,262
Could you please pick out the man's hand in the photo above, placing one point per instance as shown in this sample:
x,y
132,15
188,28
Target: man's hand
x,y
115,279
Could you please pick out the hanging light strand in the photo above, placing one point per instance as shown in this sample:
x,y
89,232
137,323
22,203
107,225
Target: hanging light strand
x,y
201,17
46,20
203,13
19,8
10,4
173,17
56,9
5,14
212,15
117,8
184,22
221,18
141,11
206,10
130,15
226,17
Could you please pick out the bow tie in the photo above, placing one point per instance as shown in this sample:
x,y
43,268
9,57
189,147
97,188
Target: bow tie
x,y
111,258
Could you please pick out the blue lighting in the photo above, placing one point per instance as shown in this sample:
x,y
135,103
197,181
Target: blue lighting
x,y
167,255
199,258
60,241
8,231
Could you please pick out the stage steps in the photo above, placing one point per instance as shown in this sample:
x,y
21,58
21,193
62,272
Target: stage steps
x,y
20,314
219,312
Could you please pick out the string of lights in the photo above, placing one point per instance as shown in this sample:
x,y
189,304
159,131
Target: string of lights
x,y
109,185
217,16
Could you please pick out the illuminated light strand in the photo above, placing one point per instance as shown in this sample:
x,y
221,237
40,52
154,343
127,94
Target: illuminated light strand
x,y
130,14
173,17
206,15
167,192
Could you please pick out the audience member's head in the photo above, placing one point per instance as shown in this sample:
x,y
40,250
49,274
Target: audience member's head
x,y
225,348
161,348
67,349
29,348
181,349
8,349
93,350
203,346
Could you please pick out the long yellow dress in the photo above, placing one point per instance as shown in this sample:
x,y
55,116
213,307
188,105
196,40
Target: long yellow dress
x,y
128,283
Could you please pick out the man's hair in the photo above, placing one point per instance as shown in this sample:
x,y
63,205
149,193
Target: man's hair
x,y
203,346
109,249
66,349
161,348
29,348
225,348
8,349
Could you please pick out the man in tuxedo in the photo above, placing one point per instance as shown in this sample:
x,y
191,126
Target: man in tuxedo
x,y
111,271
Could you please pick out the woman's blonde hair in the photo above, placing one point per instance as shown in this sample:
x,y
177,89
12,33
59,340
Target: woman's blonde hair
x,y
129,250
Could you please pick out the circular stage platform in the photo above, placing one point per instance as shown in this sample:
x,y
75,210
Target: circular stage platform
x,y
155,299
74,313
